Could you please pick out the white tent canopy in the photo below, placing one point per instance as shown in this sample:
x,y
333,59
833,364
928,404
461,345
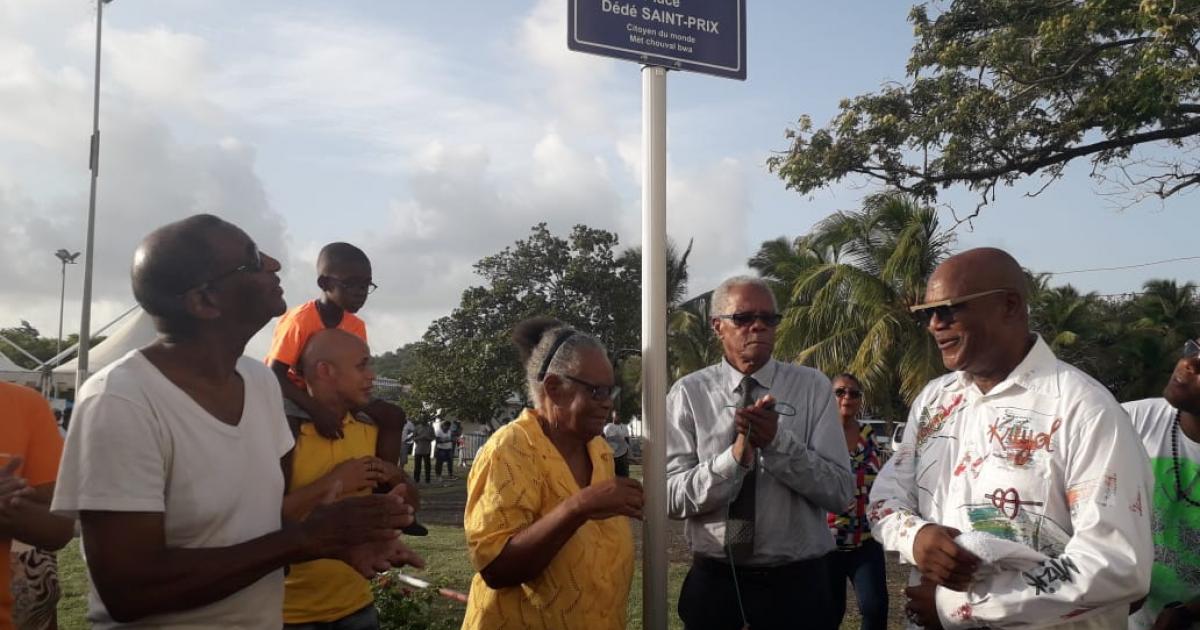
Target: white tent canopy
x,y
136,331
12,373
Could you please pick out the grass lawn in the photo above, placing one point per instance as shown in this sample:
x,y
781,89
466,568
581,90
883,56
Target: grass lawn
x,y
72,577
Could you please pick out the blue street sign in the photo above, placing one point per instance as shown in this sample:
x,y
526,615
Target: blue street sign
x,y
706,36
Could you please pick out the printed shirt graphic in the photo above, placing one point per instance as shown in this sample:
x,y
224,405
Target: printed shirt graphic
x,y
517,478
1047,459
1176,575
851,529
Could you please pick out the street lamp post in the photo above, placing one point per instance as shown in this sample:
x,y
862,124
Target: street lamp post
x,y
85,318
67,258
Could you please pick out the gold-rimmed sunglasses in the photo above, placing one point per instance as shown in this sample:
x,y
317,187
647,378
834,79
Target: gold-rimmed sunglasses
x,y
945,309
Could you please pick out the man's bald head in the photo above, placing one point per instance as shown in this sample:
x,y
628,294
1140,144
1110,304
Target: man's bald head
x,y
976,271
337,367
331,345
980,320
172,259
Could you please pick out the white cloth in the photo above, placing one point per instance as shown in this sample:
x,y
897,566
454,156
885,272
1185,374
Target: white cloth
x,y
1047,459
444,437
138,443
617,436
1176,523
803,474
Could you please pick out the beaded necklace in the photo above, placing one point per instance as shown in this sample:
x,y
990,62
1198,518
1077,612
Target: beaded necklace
x,y
1175,459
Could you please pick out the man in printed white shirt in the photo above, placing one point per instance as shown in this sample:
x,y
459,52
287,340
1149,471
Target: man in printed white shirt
x,y
1170,431
1030,457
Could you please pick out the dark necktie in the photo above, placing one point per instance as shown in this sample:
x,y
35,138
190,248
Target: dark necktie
x,y
739,527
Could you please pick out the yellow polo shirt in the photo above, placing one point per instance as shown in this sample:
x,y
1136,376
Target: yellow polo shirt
x,y
326,590
517,477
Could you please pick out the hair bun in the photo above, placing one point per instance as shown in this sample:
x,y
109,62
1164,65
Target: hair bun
x,y
528,333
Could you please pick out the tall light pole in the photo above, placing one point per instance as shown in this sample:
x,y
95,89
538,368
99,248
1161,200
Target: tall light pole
x,y
67,258
85,317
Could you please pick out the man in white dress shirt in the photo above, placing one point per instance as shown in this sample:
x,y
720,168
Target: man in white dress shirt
x,y
1028,455
755,460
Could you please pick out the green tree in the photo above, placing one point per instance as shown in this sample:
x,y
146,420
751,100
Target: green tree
x,y
1001,89
692,344
1066,319
32,341
467,364
847,291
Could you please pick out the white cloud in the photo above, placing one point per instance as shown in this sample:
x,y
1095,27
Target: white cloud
x,y
188,122
148,176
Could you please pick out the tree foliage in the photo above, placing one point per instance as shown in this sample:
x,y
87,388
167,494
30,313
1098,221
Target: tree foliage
x,y
31,340
466,364
1001,89
845,288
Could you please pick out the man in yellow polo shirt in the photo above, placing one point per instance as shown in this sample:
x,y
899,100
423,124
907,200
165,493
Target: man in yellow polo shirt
x,y
329,594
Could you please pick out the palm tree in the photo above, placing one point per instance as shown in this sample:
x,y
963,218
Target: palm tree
x,y
692,345
1168,308
1067,320
847,288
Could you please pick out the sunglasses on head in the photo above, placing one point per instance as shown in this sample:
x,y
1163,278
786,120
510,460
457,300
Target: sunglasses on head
x,y
743,319
1191,349
843,392
945,309
597,392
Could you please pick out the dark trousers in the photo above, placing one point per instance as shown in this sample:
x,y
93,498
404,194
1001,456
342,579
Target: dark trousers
x,y
792,596
364,619
418,460
444,456
864,568
621,464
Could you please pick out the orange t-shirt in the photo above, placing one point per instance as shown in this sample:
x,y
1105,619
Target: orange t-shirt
x,y
294,329
28,431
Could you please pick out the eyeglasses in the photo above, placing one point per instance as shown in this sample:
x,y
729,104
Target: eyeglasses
x,y
1191,349
598,392
741,320
945,309
257,263
352,285
843,392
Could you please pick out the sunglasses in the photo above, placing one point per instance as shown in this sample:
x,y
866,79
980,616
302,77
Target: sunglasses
x,y
1191,349
843,392
597,392
257,263
741,320
945,309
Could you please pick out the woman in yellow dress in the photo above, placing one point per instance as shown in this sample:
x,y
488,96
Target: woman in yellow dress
x,y
546,516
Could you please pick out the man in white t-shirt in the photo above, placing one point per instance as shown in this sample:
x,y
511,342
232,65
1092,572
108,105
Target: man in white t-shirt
x,y
172,463
617,435
1170,431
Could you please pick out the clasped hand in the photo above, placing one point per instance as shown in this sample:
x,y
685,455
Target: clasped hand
x,y
760,421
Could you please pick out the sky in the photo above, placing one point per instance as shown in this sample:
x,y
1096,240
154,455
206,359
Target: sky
x,y
433,134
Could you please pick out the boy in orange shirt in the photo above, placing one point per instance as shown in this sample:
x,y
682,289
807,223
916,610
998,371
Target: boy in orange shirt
x,y
30,449
344,276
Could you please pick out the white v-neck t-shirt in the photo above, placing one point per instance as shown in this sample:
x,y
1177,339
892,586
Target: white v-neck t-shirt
x,y
138,443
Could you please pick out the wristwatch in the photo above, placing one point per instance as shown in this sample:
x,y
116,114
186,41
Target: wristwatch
x,y
1184,611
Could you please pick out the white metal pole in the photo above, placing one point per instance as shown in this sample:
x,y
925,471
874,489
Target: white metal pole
x,y
85,317
654,347
62,302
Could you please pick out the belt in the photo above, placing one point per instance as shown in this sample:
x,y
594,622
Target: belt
x,y
790,569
